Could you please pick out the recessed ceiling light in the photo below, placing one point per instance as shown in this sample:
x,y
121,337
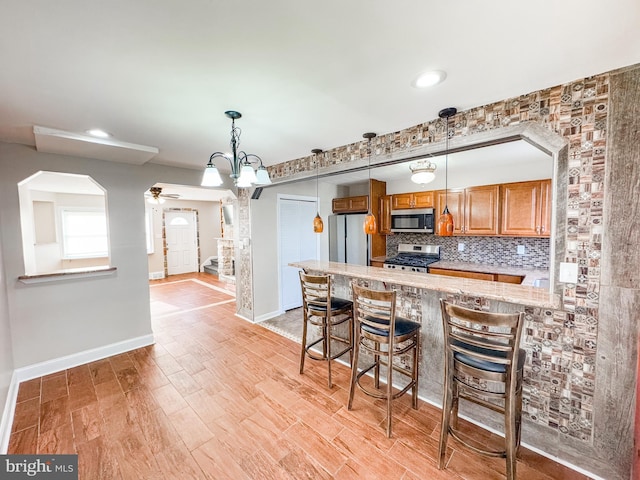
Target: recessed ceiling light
x,y
96,132
429,79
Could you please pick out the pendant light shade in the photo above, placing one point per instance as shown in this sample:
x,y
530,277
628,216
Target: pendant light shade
x,y
370,225
445,221
318,224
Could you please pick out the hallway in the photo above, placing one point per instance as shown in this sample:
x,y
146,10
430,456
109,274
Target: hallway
x,y
217,397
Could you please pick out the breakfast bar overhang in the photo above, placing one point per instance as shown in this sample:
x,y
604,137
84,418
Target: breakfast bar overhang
x,y
418,299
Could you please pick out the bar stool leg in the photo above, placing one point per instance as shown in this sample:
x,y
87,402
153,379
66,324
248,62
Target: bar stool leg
x,y
510,436
447,408
376,370
303,353
389,387
354,368
414,373
327,344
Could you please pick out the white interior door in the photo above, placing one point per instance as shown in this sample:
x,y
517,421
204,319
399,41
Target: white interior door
x,y
180,231
297,241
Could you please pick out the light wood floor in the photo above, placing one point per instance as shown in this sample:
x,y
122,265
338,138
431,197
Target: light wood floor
x,y
217,397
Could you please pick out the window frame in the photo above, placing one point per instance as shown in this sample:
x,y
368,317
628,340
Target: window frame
x,y
62,211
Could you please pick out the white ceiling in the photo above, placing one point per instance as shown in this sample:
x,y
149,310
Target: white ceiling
x,y
161,73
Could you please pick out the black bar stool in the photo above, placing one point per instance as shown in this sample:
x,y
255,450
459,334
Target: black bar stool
x,y
327,312
379,332
482,352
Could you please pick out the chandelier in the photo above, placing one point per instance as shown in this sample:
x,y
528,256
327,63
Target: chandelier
x,y
242,171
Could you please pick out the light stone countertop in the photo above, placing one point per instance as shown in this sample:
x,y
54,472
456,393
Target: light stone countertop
x,y
504,292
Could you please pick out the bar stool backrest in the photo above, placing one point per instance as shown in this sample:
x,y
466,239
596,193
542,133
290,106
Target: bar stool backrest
x,y
316,292
376,309
488,340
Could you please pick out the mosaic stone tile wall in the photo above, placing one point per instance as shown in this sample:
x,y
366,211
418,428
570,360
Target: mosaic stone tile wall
x,y
500,251
561,344
244,271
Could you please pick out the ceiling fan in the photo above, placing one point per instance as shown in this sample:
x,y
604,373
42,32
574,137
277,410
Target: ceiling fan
x,y
156,196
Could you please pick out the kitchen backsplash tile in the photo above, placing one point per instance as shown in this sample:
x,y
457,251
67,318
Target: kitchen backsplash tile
x,y
502,251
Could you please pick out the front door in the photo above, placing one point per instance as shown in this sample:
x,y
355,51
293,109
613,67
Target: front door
x,y
180,231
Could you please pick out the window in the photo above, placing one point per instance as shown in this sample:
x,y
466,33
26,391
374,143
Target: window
x,y
84,233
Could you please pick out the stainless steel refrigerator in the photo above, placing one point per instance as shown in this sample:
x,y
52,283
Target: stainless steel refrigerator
x,y
347,240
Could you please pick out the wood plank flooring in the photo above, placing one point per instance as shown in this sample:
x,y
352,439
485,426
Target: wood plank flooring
x,y
219,398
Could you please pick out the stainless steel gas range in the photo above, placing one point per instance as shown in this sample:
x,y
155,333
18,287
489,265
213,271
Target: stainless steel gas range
x,y
413,258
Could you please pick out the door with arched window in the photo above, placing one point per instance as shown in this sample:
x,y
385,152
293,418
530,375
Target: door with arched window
x,y
181,242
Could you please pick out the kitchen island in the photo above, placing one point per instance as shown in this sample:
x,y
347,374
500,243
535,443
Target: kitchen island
x,y
418,298
524,294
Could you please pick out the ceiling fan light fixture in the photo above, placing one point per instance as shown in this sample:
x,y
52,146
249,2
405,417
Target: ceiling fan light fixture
x,y
429,79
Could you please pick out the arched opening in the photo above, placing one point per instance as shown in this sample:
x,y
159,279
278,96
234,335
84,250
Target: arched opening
x,y
64,223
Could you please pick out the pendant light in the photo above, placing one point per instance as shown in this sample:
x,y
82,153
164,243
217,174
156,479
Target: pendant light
x,y
445,222
318,225
370,226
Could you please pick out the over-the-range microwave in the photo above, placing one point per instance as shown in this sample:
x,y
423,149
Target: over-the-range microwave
x,y
417,220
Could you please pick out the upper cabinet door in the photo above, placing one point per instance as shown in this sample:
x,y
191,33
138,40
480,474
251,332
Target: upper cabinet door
x,y
455,202
526,209
413,200
385,215
481,210
359,204
402,200
423,199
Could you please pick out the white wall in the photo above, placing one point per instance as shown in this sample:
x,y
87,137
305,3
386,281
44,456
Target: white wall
x,y
264,220
6,350
53,320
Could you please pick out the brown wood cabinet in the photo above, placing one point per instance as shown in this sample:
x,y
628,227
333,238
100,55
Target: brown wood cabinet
x,y
412,200
376,264
377,241
358,204
491,277
526,209
474,209
385,215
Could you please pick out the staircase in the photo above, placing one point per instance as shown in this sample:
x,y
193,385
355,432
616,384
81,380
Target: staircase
x,y
212,266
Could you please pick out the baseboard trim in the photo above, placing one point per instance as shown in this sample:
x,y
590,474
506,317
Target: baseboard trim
x,y
56,365
7,413
268,316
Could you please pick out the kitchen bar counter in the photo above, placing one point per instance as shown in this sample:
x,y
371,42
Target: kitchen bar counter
x,y
530,274
503,292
